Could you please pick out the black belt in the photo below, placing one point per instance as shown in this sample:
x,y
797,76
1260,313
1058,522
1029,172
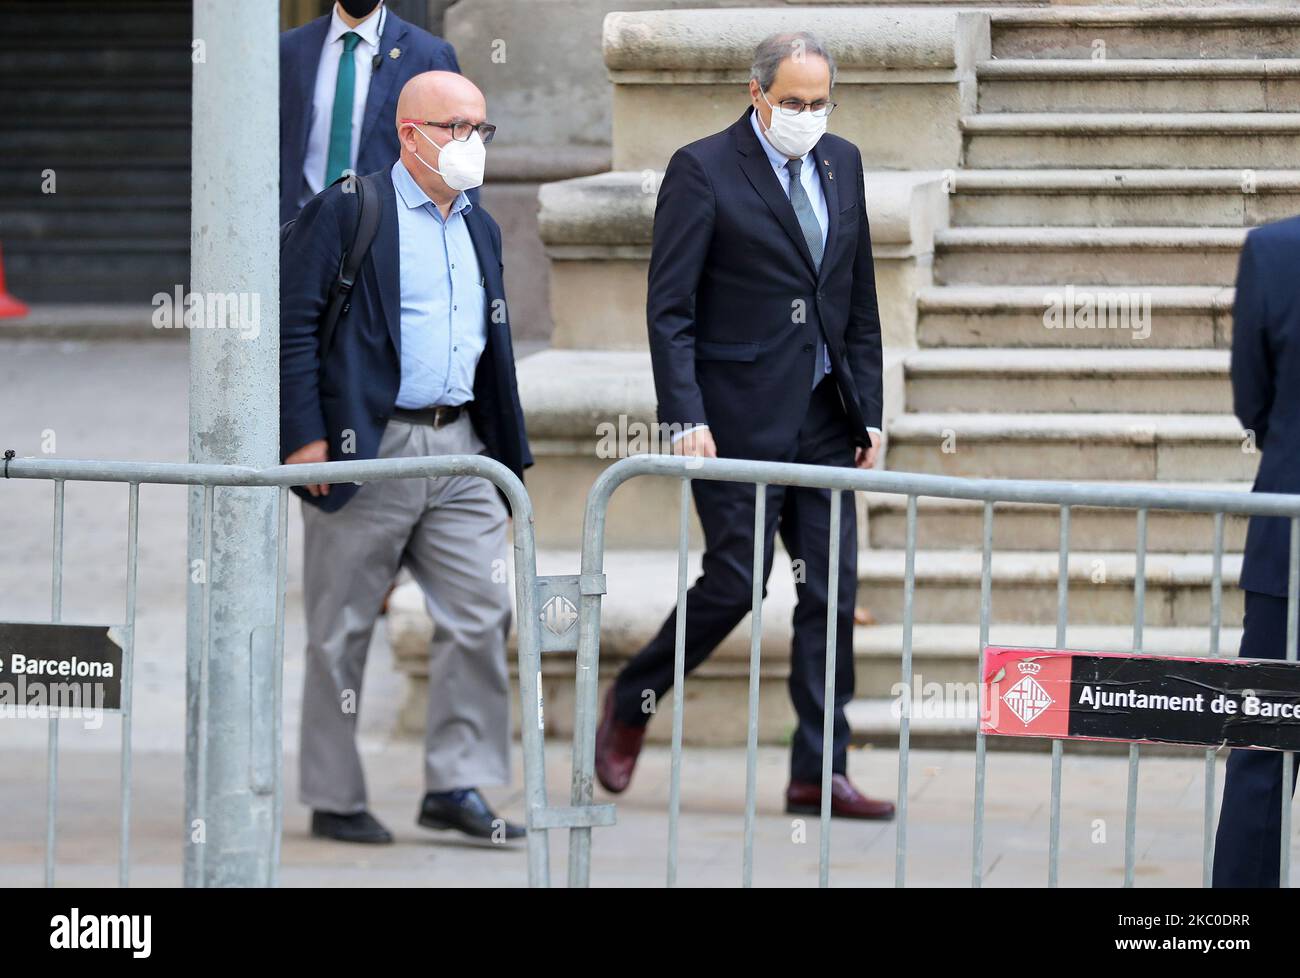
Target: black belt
x,y
434,417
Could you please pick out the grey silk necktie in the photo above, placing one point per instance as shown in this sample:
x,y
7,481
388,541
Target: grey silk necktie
x,y
812,234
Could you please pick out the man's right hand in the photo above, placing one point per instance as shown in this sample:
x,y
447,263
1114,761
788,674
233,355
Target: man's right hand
x,y
313,451
697,442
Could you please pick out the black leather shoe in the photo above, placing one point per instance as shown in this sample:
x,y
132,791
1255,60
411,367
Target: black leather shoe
x,y
466,811
357,827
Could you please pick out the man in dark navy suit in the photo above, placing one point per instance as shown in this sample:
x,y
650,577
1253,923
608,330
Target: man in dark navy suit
x,y
339,79
765,342
422,364
1266,398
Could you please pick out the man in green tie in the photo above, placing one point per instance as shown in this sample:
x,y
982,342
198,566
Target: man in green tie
x,y
339,79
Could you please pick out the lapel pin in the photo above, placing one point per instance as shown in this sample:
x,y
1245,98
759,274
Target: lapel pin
x,y
395,53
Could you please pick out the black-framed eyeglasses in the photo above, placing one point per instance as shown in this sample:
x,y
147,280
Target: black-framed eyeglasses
x,y
460,131
793,106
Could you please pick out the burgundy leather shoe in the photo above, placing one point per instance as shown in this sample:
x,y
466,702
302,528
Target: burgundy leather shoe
x,y
805,798
617,748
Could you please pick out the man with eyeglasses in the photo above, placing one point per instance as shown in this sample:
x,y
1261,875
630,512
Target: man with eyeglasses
x,y
421,364
765,344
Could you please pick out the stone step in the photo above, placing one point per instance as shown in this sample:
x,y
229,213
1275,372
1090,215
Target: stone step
x,y
79,184
1032,140
1024,587
136,218
111,270
641,590
1034,380
1139,85
66,139
1125,447
948,653
958,524
1137,256
1123,198
1218,31
1180,317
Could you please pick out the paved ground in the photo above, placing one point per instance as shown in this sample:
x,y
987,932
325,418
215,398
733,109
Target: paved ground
x,y
128,401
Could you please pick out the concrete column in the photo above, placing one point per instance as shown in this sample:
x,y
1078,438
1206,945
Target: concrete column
x,y
232,732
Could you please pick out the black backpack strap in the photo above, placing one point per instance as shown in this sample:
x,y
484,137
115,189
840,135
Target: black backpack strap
x,y
340,299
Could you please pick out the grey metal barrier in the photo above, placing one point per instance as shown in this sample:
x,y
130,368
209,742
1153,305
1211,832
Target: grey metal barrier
x,y
761,474
531,595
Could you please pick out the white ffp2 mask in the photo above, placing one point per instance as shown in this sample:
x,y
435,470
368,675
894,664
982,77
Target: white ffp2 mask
x,y
462,161
793,135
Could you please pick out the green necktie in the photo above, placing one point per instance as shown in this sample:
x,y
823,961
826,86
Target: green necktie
x,y
340,153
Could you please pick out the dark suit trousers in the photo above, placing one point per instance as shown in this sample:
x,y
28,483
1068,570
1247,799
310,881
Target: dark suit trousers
x,y
721,596
1246,847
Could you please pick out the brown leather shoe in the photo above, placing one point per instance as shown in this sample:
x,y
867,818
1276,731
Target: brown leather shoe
x,y
805,798
617,748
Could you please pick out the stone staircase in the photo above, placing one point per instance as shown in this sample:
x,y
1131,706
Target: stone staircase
x,y
1060,309
1136,177
94,158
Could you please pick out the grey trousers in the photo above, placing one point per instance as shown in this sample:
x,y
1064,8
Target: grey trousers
x,y
450,533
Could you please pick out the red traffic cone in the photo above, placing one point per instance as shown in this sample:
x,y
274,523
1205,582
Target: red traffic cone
x,y
9,306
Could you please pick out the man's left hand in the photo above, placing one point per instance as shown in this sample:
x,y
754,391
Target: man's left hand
x,y
865,458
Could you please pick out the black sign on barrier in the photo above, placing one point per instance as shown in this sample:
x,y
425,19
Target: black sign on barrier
x,y
59,670
1139,697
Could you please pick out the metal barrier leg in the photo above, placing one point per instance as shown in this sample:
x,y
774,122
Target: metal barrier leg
x,y
755,647
1139,619
679,680
828,696
1216,619
128,684
281,577
1062,617
1288,771
904,721
52,744
986,606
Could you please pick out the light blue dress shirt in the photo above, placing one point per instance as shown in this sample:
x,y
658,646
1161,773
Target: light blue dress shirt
x,y
444,299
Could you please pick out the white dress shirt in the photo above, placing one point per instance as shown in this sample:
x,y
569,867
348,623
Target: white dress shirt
x,y
322,103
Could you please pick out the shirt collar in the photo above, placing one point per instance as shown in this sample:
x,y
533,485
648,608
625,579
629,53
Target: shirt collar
x,y
368,29
778,160
413,197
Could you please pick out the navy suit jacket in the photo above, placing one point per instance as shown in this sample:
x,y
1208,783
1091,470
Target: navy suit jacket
x,y
300,57
734,296
1266,387
357,390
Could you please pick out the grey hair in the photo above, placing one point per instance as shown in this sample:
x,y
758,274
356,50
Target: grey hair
x,y
775,48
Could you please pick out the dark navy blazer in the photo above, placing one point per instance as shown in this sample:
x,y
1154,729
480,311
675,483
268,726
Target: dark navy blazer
x,y
1266,387
300,57
357,390
734,298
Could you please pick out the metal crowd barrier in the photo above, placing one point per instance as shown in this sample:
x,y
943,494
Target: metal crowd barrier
x,y
528,588
550,599
1066,496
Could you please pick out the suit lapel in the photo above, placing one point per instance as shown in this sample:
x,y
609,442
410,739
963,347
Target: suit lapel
x,y
313,37
831,191
758,170
384,77
385,257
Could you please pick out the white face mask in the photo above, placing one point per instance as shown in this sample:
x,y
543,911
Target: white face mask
x,y
793,135
462,162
